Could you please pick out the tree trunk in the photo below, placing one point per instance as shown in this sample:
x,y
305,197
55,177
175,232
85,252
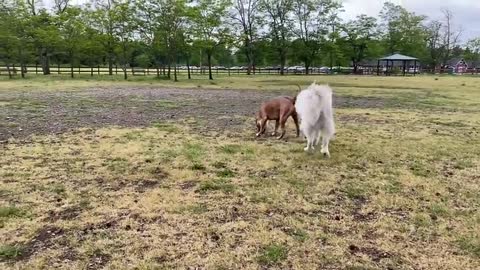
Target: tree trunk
x,y
249,58
209,58
9,71
110,58
158,72
110,65
45,62
91,71
23,69
201,59
169,70
307,67
175,70
188,67
125,76
283,60
71,66
22,63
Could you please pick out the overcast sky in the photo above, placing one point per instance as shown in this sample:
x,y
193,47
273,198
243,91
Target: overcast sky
x,y
466,12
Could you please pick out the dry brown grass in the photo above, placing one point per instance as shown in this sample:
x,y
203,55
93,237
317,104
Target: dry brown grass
x,y
400,192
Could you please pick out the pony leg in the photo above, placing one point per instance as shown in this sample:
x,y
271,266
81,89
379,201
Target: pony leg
x,y
325,142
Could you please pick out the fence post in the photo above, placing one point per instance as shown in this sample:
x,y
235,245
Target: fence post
x,y
98,69
79,70
116,69
36,69
58,68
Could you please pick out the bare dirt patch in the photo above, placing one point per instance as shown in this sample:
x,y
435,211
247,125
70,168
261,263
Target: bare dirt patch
x,y
44,239
57,112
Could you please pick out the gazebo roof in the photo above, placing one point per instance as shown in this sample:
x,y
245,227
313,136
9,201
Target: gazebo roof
x,y
398,57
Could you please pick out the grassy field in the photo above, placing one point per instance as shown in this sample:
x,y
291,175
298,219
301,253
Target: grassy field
x,y
126,185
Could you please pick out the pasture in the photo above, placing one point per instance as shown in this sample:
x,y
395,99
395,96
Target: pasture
x,y
151,174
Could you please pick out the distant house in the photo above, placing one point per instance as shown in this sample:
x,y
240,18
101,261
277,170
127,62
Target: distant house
x,y
460,65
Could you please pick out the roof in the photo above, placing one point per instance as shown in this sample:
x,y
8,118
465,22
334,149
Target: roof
x,y
399,57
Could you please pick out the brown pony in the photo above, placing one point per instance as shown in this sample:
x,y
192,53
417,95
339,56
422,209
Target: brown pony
x,y
278,109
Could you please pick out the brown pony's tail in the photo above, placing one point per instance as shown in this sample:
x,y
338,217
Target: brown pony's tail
x,y
299,87
294,99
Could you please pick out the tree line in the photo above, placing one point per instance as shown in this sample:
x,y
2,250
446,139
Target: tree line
x,y
251,33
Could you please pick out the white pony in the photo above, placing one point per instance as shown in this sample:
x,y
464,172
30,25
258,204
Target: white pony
x,y
314,108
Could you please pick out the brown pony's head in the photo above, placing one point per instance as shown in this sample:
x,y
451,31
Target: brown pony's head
x,y
258,120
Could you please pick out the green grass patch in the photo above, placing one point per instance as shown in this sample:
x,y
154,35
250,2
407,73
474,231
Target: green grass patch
x,y
170,128
223,185
298,234
421,220
193,151
58,189
11,212
272,254
226,173
470,245
9,252
167,104
117,165
198,167
421,168
231,148
439,210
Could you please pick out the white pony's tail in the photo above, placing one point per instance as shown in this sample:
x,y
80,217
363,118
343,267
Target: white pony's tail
x,y
313,103
325,93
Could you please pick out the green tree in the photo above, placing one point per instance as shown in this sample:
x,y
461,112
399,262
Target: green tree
x,y
246,15
72,31
312,19
149,28
403,31
358,35
15,40
8,40
278,13
434,43
172,23
472,51
208,20
124,27
102,18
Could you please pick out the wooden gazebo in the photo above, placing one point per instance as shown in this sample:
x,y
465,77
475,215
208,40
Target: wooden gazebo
x,y
392,59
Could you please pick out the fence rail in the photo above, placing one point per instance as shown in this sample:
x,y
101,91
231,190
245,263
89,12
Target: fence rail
x,y
137,71
162,71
